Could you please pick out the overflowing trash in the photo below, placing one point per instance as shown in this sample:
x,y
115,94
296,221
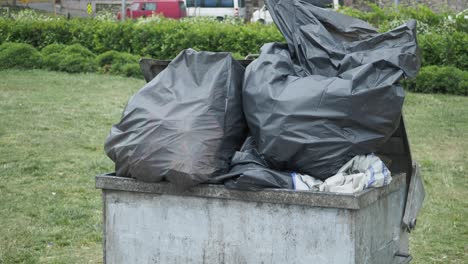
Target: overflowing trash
x,y
361,172
250,172
315,108
331,93
184,125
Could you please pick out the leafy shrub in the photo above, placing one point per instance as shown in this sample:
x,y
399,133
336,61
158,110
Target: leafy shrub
x,y
53,48
132,70
30,15
435,79
163,38
461,23
78,49
114,57
158,38
41,33
73,58
52,61
52,56
445,49
120,63
389,17
442,38
129,70
237,56
19,55
378,16
105,15
75,63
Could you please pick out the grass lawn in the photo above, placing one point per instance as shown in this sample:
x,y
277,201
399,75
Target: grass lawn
x,y
52,129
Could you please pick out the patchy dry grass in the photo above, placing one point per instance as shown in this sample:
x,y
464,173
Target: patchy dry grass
x,y
52,129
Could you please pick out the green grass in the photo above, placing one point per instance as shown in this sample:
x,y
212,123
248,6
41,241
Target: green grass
x,y
52,129
438,133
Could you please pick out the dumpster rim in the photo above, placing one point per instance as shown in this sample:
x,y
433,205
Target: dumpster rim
x,y
355,201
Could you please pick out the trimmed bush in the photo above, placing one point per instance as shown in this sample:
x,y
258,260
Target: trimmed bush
x,y
78,49
128,70
132,70
109,58
19,55
52,56
75,63
53,48
435,79
74,58
52,61
120,63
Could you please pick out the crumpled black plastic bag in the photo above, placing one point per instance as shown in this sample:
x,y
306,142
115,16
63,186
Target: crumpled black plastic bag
x,y
331,93
184,125
250,172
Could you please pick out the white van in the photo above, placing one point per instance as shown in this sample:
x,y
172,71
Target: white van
x,y
215,8
262,15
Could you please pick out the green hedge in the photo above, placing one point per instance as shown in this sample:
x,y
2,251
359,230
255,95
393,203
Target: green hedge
x,y
442,37
442,42
76,58
428,21
445,49
435,79
162,39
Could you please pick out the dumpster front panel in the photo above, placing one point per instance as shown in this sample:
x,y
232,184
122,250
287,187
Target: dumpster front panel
x,y
157,223
155,228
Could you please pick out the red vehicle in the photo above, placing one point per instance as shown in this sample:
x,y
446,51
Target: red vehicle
x,y
146,8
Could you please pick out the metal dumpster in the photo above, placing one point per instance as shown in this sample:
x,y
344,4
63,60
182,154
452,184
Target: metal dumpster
x,y
157,223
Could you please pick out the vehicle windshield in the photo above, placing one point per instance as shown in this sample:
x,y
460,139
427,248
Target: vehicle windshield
x,y
212,3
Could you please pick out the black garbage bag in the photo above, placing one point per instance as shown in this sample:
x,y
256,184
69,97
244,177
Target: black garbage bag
x,y
330,93
250,172
183,126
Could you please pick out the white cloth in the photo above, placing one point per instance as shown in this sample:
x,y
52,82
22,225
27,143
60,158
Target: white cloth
x,y
361,172
299,183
